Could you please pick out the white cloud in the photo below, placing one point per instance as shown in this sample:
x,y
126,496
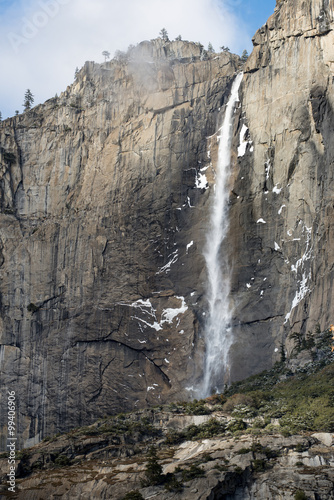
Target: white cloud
x,y
43,41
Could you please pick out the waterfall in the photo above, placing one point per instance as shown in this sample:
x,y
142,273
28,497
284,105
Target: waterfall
x,y
218,331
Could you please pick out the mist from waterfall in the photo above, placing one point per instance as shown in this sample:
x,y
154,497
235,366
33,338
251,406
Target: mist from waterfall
x,y
218,331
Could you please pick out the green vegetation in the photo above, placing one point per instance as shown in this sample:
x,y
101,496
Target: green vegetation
x,y
192,472
155,477
259,465
244,56
32,308
9,157
195,407
302,401
120,426
204,431
300,495
153,471
164,35
28,100
62,460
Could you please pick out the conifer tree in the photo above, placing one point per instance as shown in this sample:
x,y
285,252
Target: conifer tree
x,y
164,35
106,55
211,50
153,471
28,100
244,56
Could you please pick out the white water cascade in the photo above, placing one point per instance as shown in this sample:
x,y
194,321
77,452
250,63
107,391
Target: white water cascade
x,y
218,331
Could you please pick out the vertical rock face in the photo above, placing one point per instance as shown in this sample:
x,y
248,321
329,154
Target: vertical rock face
x,y
103,214
282,211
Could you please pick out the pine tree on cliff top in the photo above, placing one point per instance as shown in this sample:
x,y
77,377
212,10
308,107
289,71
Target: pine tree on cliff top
x,y
28,100
164,35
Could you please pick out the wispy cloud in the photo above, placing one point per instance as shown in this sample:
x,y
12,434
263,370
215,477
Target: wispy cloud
x,y
43,41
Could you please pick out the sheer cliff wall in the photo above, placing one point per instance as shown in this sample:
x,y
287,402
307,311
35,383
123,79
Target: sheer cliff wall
x,y
103,216
283,208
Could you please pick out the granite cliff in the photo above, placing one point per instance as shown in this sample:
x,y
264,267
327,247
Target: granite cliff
x,y
105,198
282,213
101,198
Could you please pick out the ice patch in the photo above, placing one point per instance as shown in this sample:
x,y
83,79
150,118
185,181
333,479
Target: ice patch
x,y
201,181
300,294
303,289
166,267
166,360
277,190
307,254
189,245
277,247
150,319
261,221
243,141
267,168
248,285
280,210
189,203
169,314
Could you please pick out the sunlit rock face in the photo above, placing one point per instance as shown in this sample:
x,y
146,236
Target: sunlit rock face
x,y
282,214
104,195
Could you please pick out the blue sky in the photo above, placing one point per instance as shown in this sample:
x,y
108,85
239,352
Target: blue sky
x,y
43,41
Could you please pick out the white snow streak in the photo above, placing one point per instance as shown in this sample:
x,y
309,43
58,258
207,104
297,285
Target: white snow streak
x,y
166,267
189,245
243,142
277,190
150,316
303,289
201,181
